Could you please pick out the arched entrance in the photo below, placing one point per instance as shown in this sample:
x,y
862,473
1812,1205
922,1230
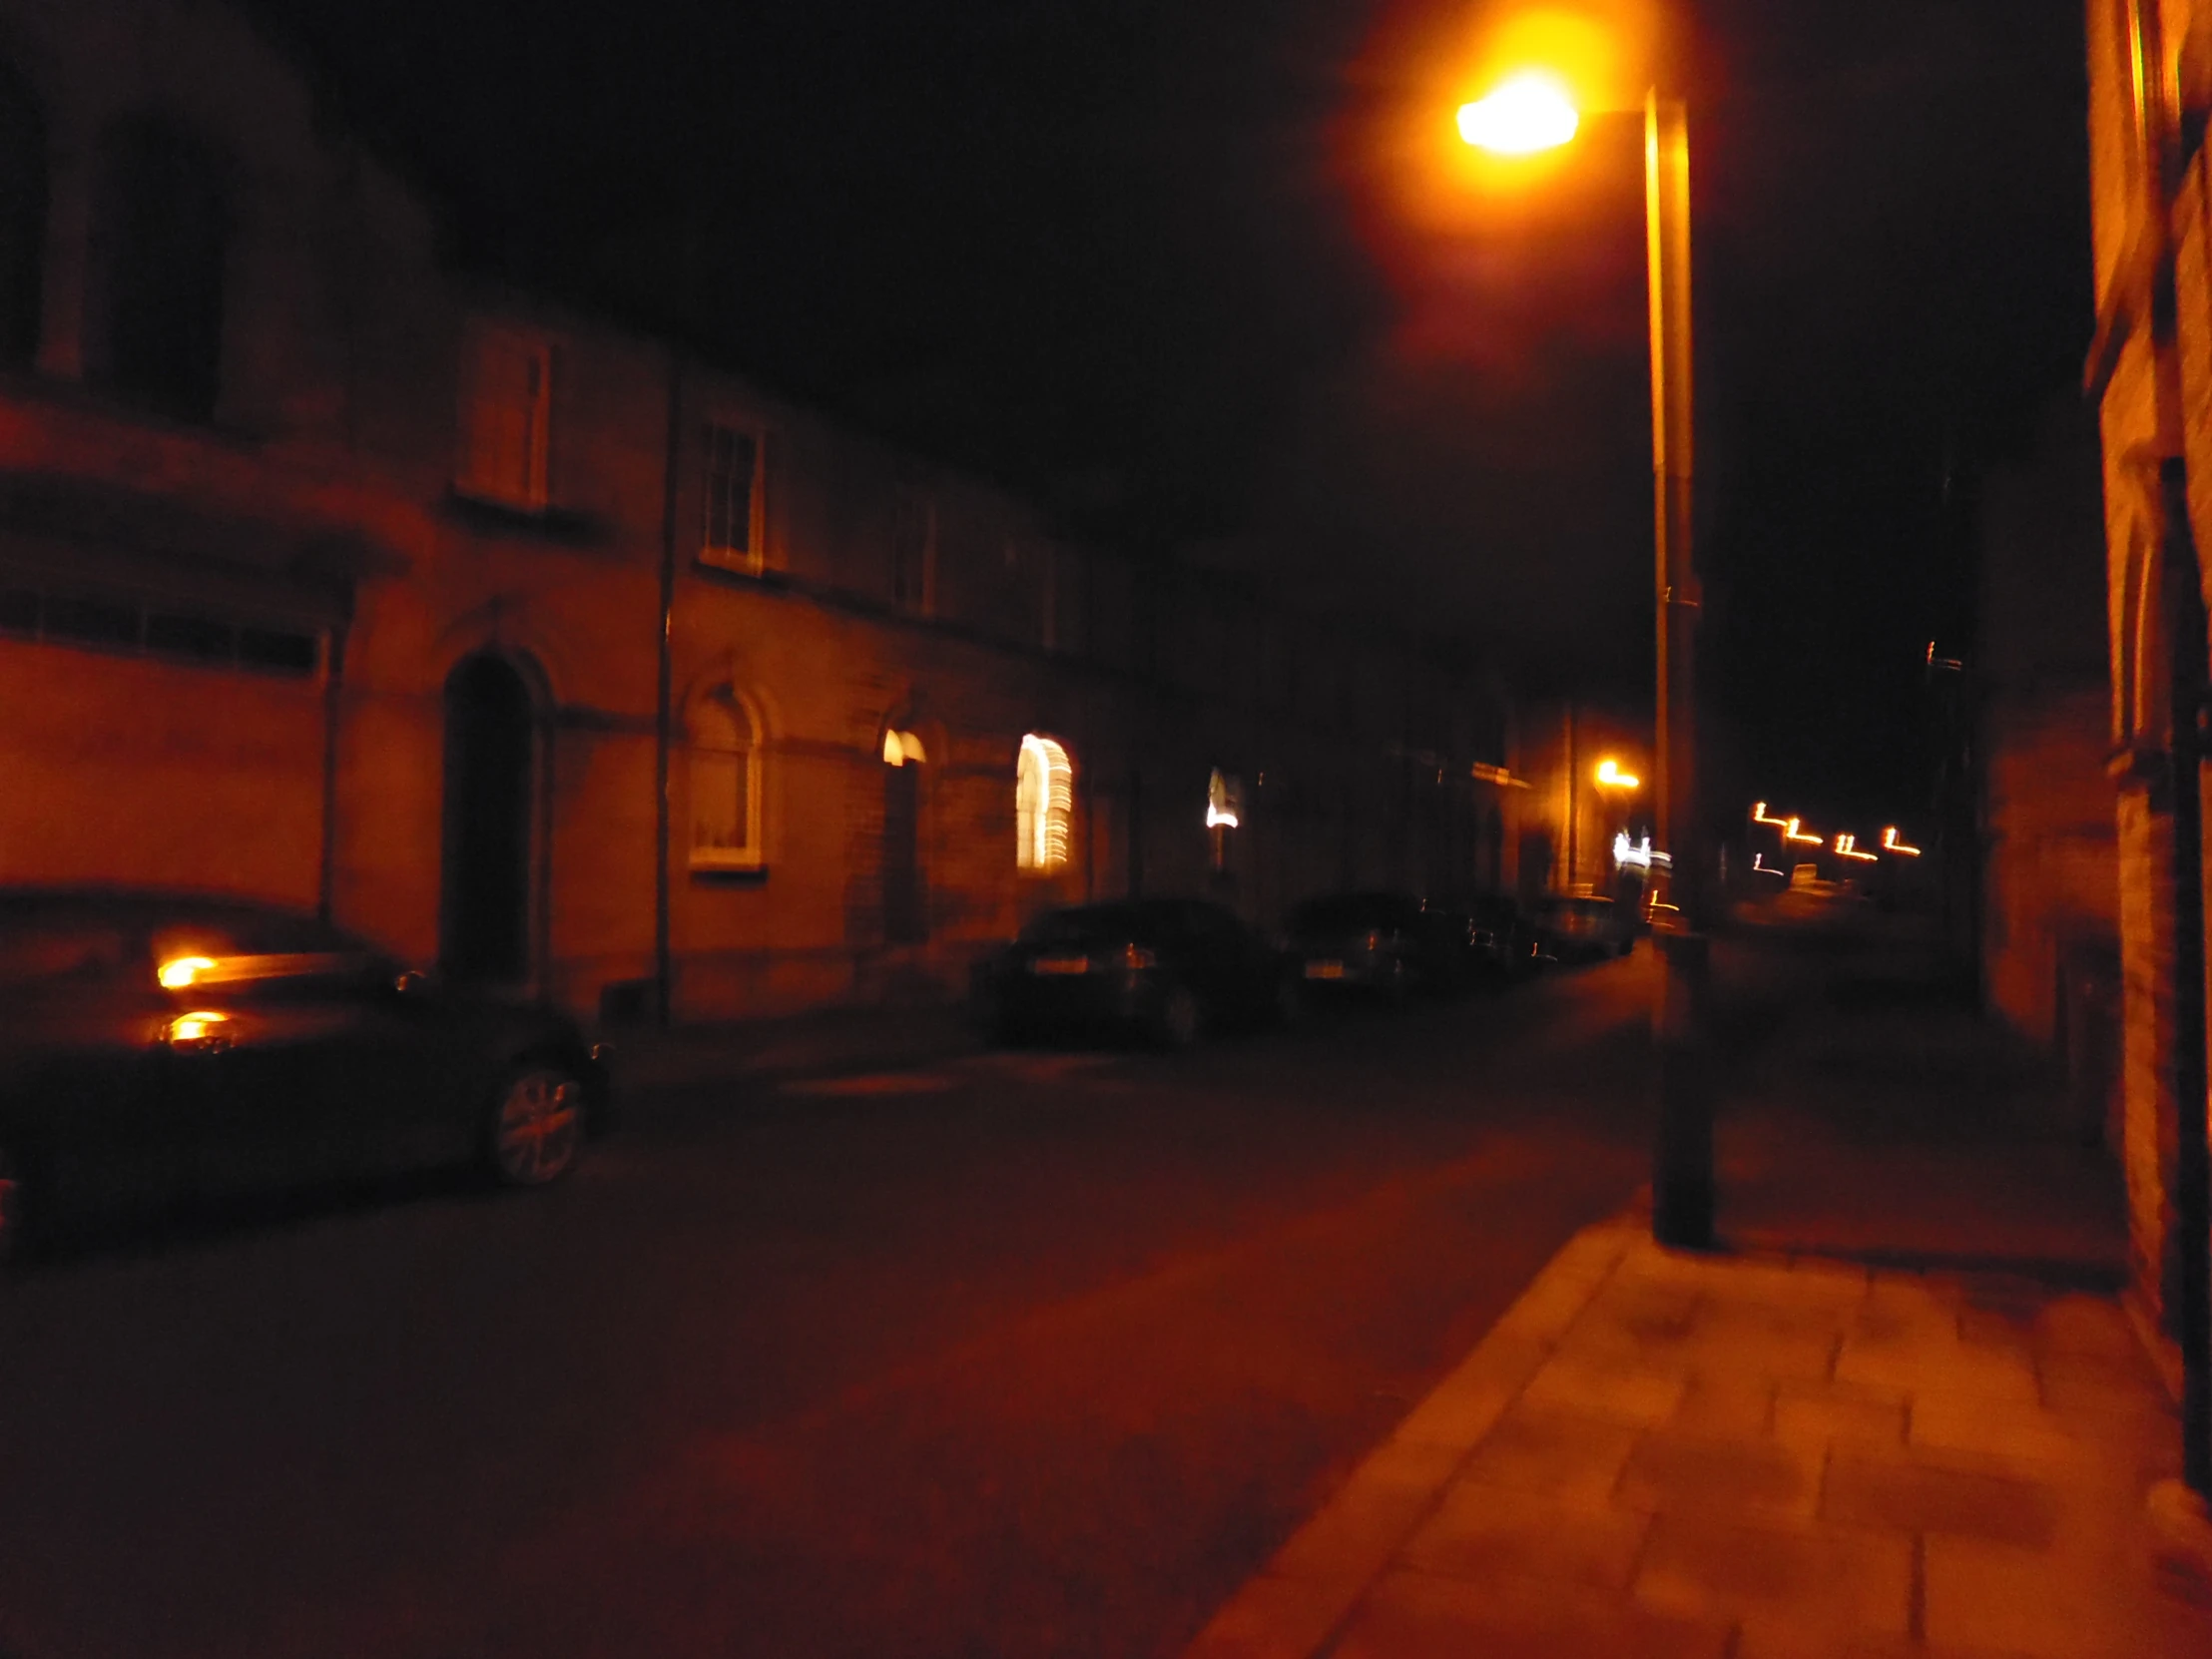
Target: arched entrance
x,y
484,904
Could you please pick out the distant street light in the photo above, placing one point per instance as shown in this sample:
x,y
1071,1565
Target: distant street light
x,y
1526,114
1610,777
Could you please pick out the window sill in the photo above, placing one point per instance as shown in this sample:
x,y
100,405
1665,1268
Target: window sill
x,y
742,869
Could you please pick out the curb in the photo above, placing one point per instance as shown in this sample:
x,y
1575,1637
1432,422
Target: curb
x,y
1300,1600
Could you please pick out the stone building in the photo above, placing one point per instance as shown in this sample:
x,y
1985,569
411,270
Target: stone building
x,y
2149,375
561,656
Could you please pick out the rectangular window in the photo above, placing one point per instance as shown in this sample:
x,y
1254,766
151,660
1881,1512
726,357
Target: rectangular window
x,y
507,405
730,534
914,553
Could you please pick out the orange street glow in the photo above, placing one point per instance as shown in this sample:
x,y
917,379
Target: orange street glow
x,y
179,972
1847,846
1610,777
1759,815
1891,843
196,1027
1791,832
1528,114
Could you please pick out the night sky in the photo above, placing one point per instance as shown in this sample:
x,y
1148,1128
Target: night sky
x,y
1199,274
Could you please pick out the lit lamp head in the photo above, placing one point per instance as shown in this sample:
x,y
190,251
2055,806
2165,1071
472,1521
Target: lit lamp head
x,y
1610,777
1528,114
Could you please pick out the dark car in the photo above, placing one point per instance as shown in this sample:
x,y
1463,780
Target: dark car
x,y
1170,968
1501,938
1387,943
157,1047
1585,927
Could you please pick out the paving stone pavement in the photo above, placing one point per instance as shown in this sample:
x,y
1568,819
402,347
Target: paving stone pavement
x,y
1743,1458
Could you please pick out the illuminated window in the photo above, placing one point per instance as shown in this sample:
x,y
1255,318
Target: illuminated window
x,y
1044,802
725,784
506,408
730,534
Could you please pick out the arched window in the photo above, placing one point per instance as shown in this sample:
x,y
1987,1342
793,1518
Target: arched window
x,y
1044,802
153,280
22,221
725,783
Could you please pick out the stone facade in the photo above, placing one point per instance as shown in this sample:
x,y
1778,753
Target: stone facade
x,y
2150,377
514,640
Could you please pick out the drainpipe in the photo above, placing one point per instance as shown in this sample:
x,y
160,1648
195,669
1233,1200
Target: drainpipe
x,y
334,691
663,971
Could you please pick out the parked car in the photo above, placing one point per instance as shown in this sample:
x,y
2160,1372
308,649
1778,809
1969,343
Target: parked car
x,y
1584,927
1172,970
161,1046
1384,943
1501,938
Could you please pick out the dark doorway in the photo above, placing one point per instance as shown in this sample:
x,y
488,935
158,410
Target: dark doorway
x,y
905,921
484,908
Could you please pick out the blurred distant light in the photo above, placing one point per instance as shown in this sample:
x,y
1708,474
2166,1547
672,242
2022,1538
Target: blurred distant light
x,y
1529,113
179,972
1610,777
1847,846
200,1026
1759,815
1791,833
1891,843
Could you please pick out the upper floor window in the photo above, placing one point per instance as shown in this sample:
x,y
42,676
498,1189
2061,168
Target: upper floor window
x,y
732,534
22,222
155,270
725,783
1044,804
915,552
505,418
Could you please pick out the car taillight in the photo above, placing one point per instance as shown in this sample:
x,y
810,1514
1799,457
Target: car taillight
x,y
1135,957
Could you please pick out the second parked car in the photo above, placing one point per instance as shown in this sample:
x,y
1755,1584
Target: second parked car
x,y
1173,969
1387,943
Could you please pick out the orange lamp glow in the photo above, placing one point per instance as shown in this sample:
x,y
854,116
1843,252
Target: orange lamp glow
x,y
1791,833
1760,815
1891,843
1610,777
1847,846
201,1028
1530,112
178,973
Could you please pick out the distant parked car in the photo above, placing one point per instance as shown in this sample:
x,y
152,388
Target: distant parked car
x,y
1584,927
1387,943
1172,970
156,1046
1502,937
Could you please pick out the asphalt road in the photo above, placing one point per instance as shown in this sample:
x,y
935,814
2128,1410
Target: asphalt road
x,y
1034,1354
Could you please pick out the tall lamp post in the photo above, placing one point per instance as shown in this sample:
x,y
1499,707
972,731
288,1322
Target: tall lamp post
x,y
1526,115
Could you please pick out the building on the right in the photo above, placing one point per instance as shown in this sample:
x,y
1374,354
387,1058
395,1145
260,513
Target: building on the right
x,y
2149,378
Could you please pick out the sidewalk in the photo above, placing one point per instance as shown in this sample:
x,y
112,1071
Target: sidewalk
x,y
1901,1414
830,1043
1740,1458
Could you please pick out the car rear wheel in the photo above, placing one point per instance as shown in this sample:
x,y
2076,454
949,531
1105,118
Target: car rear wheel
x,y
1179,1021
537,1125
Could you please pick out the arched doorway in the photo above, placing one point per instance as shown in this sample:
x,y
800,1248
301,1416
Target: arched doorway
x,y
484,904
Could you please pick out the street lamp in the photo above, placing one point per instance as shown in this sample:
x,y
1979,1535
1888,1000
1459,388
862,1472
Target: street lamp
x,y
1526,114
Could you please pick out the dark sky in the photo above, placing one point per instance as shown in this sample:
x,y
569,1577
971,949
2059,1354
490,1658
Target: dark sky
x,y
1194,272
